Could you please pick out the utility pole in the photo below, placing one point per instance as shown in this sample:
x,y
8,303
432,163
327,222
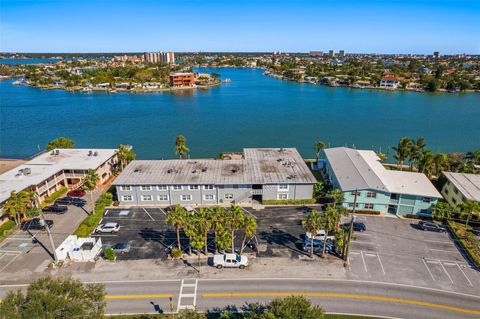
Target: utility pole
x,y
37,205
350,231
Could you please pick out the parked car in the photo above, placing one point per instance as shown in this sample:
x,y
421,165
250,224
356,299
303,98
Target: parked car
x,y
317,246
57,209
67,200
320,235
108,228
230,261
431,227
121,248
37,224
76,193
476,231
357,226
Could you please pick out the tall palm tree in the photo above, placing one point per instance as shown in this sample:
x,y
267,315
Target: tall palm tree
x,y
249,229
319,146
441,163
312,223
177,217
89,184
125,155
16,205
416,152
402,151
205,220
218,225
426,164
331,220
234,221
336,195
469,207
181,146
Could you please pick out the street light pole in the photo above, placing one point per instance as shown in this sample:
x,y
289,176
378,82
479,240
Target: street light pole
x,y
37,205
350,231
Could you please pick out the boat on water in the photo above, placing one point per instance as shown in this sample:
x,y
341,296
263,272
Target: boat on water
x,y
227,81
87,90
20,82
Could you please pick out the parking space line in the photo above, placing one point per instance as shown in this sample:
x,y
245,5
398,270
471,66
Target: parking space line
x,y
381,264
148,214
363,259
448,275
9,262
163,211
428,269
106,212
466,277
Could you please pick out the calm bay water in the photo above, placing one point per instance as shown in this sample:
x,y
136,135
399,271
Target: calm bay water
x,y
252,111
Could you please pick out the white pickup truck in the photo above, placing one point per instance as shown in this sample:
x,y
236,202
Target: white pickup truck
x,y
320,235
230,261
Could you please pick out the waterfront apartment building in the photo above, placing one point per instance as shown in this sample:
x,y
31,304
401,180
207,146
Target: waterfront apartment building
x,y
182,79
159,57
50,171
378,189
261,174
460,187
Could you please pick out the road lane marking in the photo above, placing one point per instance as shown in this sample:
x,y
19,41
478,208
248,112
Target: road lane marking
x,y
148,214
428,269
145,296
345,296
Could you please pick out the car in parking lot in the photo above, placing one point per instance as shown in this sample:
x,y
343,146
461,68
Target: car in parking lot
x,y
67,200
431,227
357,226
108,228
475,231
230,261
37,224
320,235
76,193
317,246
120,248
57,209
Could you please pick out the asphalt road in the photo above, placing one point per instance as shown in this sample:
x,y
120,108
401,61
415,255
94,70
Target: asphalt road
x,y
339,296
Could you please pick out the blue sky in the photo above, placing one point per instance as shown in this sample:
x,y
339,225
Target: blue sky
x,y
395,26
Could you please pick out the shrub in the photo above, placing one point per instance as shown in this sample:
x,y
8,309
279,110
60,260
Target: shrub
x,y
6,228
82,231
52,198
467,241
176,253
288,201
90,222
109,254
367,212
413,216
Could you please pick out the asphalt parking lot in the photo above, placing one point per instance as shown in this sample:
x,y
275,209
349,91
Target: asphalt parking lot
x,y
393,250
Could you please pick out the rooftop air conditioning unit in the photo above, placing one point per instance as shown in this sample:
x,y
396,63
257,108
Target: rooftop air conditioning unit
x,y
90,153
57,152
26,171
95,154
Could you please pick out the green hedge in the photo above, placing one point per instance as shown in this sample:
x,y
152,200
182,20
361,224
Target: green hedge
x,y
88,225
288,201
52,198
467,240
6,228
367,212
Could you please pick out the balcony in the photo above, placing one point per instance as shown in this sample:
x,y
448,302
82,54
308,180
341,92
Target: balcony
x,y
257,191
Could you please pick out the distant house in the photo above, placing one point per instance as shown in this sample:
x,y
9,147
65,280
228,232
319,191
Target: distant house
x,y
378,189
460,187
182,79
390,82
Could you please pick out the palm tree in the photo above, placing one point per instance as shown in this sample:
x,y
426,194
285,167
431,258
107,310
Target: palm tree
x,y
312,223
426,164
469,207
16,205
382,156
177,217
249,229
125,155
234,221
402,151
442,211
181,146
319,146
336,195
218,225
416,152
473,157
205,220
89,184
331,220
441,163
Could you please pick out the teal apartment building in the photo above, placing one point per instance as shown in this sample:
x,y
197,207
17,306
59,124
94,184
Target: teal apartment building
x,y
378,189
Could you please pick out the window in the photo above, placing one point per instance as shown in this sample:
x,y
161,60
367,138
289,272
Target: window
x,y
372,194
177,187
426,199
355,193
368,206
126,188
162,187
455,190
208,197
193,187
147,198
127,198
228,196
283,187
445,191
146,188
282,196
186,198
351,205
162,197
454,201
208,187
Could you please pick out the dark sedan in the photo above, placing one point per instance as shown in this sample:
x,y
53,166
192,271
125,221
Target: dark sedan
x,y
37,224
431,227
67,200
357,226
57,209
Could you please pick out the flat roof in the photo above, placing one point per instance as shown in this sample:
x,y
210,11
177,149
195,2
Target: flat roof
x,y
259,166
47,164
361,169
467,184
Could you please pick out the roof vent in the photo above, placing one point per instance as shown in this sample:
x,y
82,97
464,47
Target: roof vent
x,y
57,152
194,171
169,171
53,152
137,170
26,171
90,153
204,169
95,154
234,170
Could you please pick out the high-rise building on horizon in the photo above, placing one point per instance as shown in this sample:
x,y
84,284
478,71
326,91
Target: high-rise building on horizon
x,y
436,54
331,53
159,57
341,53
316,53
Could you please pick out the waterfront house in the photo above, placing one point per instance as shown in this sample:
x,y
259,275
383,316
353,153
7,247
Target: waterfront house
x,y
460,187
182,79
390,82
360,172
50,171
261,174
